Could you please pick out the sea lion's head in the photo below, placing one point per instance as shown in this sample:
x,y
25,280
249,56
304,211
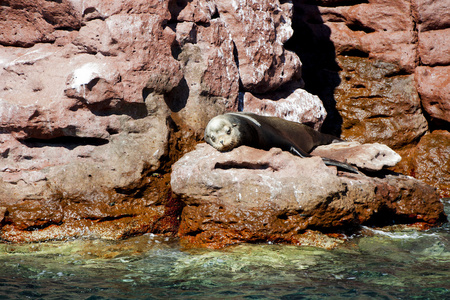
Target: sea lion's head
x,y
222,133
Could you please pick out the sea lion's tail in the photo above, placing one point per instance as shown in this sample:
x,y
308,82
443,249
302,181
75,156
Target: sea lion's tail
x,y
347,167
327,161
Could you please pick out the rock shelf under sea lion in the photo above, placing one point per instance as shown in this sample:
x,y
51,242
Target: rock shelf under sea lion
x,y
254,195
231,130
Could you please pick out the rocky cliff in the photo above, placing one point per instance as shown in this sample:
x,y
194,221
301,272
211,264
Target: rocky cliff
x,y
382,70
99,98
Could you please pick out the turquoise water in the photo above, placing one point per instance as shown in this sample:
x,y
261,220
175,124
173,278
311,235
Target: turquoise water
x,y
388,265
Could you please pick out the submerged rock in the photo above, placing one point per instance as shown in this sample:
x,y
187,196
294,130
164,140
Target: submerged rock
x,y
251,195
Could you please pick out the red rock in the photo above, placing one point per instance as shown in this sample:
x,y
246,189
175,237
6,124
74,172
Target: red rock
x,y
75,125
377,107
251,195
432,15
264,64
431,161
26,23
195,11
107,94
211,77
21,28
382,30
369,157
433,85
399,48
434,48
298,106
378,16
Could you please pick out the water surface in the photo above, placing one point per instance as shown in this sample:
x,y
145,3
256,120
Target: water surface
x,y
405,264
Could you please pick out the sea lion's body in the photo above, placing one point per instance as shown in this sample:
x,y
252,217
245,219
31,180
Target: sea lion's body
x,y
231,130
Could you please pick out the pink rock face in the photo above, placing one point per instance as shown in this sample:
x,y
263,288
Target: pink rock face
x,y
382,30
433,85
25,23
434,48
432,15
98,98
259,31
248,195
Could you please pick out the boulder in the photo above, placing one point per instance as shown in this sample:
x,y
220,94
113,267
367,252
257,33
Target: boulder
x,y
294,105
432,15
368,157
26,23
252,195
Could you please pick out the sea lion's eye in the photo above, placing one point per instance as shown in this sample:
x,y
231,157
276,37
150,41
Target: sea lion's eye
x,y
229,131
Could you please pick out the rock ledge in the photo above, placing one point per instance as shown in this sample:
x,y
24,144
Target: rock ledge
x,y
251,195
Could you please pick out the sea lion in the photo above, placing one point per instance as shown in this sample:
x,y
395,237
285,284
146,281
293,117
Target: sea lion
x,y
231,130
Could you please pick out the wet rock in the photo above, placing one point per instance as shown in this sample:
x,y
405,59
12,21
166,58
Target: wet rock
x,y
251,195
378,107
430,161
369,157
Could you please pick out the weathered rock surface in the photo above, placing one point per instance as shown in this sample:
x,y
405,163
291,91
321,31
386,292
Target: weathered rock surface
x,y
430,161
378,107
250,195
434,88
79,141
368,157
98,98
380,67
264,64
298,106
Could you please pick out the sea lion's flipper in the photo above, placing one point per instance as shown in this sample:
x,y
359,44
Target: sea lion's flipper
x,y
327,161
299,152
332,162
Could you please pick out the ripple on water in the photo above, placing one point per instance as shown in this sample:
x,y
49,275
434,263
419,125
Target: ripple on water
x,y
387,265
